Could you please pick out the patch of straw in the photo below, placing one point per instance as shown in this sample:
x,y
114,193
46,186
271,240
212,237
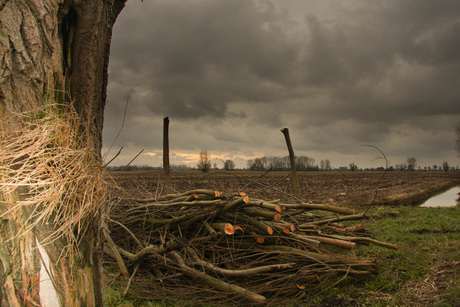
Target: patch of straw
x,y
42,153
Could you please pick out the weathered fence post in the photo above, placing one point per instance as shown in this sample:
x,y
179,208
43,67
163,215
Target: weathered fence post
x,y
295,180
166,168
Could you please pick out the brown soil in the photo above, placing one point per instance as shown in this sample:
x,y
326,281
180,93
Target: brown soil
x,y
350,188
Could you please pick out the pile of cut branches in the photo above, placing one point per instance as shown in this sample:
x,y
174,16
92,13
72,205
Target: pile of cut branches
x,y
231,247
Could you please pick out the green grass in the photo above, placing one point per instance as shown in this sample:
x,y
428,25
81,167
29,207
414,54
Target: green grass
x,y
113,298
424,270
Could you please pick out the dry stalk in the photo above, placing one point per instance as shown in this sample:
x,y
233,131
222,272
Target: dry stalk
x,y
47,171
219,284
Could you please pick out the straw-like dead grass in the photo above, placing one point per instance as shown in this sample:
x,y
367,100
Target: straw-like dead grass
x,y
46,171
431,289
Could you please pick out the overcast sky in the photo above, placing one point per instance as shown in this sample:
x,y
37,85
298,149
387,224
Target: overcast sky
x,y
230,74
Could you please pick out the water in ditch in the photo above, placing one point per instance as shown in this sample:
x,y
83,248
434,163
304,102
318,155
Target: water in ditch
x,y
445,199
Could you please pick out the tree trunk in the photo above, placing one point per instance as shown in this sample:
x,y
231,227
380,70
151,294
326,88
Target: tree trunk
x,y
166,167
295,179
56,49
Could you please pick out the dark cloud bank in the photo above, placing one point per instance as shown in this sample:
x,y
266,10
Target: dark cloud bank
x,y
231,73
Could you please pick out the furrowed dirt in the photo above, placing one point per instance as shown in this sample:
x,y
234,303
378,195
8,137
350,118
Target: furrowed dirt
x,y
350,188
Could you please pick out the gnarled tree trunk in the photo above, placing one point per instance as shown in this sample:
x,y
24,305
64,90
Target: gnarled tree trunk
x,y
56,49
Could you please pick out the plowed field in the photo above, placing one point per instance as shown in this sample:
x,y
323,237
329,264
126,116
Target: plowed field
x,y
351,188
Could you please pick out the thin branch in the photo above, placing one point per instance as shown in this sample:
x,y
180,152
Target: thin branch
x,y
118,153
130,280
132,160
381,178
119,131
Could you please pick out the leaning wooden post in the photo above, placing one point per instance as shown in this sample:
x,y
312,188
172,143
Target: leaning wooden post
x,y
295,180
166,168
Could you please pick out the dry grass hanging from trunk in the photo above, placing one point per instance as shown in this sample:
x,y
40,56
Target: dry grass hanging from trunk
x,y
43,156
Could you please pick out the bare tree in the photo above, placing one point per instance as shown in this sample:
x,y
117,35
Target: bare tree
x,y
327,164
58,49
256,165
445,166
229,165
353,167
411,163
204,164
249,163
304,163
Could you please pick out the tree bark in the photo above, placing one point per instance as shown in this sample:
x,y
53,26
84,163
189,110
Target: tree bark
x,y
60,49
56,49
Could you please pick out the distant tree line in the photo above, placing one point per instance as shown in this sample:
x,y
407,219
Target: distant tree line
x,y
139,168
303,163
411,165
133,168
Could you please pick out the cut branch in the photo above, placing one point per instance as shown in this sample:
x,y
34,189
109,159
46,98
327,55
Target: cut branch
x,y
246,272
220,285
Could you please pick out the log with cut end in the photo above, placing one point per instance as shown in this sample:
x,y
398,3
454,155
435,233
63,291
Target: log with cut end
x,y
211,230
267,205
332,220
229,229
231,205
334,242
266,214
322,207
260,225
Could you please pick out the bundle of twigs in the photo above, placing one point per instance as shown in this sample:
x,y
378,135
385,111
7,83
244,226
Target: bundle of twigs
x,y
240,248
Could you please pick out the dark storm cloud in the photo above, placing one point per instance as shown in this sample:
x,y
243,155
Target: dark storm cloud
x,y
197,56
396,61
338,73
193,58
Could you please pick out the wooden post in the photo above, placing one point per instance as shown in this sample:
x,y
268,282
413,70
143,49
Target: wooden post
x,y
295,180
166,168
